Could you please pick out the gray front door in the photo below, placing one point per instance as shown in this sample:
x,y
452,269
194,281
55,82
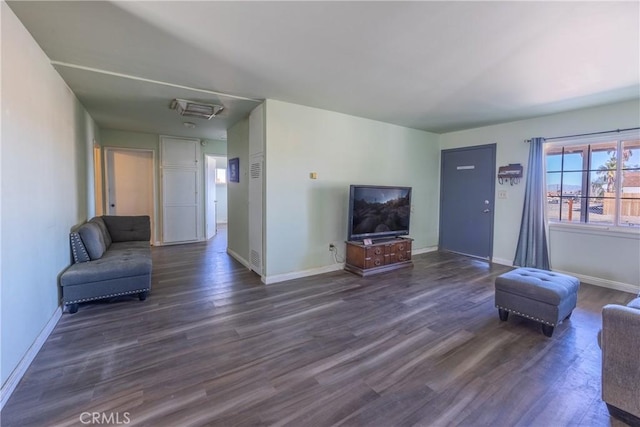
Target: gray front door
x,y
467,186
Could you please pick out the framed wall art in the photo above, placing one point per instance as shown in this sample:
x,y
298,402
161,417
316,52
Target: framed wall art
x,y
234,170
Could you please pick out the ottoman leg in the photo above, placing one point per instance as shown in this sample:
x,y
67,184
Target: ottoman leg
x,y
547,330
504,314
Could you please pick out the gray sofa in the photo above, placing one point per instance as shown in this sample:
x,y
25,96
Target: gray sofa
x,y
112,257
620,343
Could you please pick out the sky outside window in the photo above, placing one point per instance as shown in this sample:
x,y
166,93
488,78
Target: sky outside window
x,y
573,161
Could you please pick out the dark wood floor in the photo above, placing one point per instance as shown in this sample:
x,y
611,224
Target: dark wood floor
x,y
213,346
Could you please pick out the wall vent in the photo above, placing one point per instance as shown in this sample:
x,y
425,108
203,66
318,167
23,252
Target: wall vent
x,y
255,260
195,109
256,170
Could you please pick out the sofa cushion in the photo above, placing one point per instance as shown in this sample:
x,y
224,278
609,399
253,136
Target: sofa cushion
x,y
78,250
111,266
92,239
539,285
119,246
103,228
128,228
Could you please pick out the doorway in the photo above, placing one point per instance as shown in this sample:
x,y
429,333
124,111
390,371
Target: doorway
x,y
130,183
467,188
215,181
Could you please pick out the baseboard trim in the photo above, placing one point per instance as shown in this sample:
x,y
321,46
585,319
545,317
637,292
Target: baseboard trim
x,y
268,280
604,283
238,258
502,261
14,379
424,250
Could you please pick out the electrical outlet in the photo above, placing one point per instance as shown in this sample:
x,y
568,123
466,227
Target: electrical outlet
x,y
332,247
502,194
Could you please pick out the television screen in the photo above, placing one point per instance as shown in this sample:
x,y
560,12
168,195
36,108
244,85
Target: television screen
x,y
378,211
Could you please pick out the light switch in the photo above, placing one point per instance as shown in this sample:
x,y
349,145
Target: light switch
x,y
313,175
502,194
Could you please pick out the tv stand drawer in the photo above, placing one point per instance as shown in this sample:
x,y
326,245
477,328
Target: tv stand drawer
x,y
378,257
374,261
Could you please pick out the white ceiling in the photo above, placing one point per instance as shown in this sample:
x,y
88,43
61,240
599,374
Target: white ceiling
x,y
437,66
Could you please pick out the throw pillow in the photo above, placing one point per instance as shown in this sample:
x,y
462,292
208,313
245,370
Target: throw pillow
x,y
103,228
77,248
93,240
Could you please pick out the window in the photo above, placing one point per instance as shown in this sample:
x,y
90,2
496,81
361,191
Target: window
x,y
595,183
221,176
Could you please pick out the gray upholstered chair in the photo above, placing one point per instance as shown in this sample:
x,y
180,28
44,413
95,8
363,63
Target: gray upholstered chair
x,y
111,257
620,343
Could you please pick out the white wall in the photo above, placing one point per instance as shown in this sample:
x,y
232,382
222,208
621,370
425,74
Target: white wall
x,y
610,260
46,149
303,215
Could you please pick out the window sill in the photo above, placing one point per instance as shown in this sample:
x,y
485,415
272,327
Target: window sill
x,y
600,230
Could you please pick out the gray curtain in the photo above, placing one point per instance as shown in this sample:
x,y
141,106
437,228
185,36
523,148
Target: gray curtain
x,y
532,248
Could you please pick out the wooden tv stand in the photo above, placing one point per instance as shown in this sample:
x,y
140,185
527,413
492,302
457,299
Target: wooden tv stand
x,y
378,257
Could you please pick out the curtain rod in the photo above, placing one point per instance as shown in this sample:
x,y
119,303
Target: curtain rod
x,y
587,134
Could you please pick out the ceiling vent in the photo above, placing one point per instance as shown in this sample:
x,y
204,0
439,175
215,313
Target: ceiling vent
x,y
195,109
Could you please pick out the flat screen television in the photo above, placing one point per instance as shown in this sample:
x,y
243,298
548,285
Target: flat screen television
x,y
378,212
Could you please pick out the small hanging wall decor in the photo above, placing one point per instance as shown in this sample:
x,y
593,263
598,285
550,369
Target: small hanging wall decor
x,y
510,173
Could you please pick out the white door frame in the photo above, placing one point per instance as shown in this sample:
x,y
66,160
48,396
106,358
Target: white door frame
x,y
207,202
98,177
154,165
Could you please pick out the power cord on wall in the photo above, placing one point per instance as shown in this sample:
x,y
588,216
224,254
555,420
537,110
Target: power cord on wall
x,y
334,250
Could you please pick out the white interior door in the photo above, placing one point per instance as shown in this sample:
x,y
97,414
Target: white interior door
x,y
211,196
130,182
181,217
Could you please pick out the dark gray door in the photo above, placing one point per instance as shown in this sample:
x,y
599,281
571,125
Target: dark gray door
x,y
467,186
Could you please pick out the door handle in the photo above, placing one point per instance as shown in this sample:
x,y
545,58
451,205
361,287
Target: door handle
x,y
486,211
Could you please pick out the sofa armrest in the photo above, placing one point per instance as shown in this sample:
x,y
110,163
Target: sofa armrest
x,y
128,228
620,361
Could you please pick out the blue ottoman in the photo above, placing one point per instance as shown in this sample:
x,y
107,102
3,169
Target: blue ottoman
x,y
543,296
